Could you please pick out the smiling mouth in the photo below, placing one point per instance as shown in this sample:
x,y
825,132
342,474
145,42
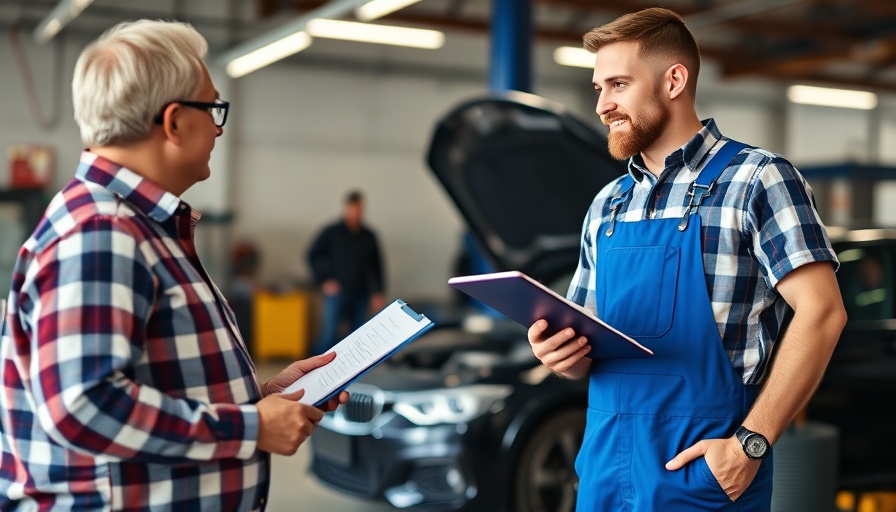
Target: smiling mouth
x,y
614,121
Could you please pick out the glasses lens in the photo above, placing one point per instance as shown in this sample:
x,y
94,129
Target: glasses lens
x,y
218,114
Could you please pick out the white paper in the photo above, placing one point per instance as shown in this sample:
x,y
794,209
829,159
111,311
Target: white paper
x,y
359,351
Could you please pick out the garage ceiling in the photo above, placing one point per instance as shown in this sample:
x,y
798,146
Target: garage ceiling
x,y
848,43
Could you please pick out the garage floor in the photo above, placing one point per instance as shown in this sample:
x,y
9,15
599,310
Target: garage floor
x,y
293,487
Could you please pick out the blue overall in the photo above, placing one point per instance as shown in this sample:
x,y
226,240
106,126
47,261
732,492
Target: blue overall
x,y
642,412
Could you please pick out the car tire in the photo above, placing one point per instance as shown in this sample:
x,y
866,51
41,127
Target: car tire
x,y
544,477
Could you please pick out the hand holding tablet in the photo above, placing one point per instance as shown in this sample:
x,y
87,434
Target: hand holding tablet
x,y
525,301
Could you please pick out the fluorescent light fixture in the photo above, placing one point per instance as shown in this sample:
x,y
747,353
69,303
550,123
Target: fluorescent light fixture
x,y
281,41
265,55
61,15
823,96
378,8
379,34
572,56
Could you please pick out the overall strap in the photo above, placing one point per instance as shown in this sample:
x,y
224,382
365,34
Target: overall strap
x,y
706,181
625,185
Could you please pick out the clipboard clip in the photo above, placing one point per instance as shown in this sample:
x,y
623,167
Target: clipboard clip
x,y
410,312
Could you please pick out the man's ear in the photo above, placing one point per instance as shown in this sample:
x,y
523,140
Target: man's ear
x,y
169,122
676,80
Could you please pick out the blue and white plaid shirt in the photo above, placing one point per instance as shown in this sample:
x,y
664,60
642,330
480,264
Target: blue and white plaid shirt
x,y
758,225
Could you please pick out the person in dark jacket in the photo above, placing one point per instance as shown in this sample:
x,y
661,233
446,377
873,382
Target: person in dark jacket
x,y
346,263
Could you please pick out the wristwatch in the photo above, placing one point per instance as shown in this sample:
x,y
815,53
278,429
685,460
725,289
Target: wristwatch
x,y
755,445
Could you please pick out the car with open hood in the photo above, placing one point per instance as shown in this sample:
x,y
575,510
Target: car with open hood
x,y
466,417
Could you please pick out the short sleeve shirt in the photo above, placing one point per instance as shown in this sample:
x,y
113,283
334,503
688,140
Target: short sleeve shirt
x,y
758,225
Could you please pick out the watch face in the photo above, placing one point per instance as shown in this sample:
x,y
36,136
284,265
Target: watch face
x,y
756,446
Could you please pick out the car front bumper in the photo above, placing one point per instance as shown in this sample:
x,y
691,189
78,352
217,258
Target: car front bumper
x,y
409,466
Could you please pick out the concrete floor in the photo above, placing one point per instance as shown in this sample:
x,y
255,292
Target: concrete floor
x,y
294,488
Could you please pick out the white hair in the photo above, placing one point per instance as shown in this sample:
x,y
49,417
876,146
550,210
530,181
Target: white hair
x,y
123,79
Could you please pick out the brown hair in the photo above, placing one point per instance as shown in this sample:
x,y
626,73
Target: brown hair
x,y
659,32
354,197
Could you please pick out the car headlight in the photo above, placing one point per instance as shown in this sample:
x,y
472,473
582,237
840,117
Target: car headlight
x,y
450,405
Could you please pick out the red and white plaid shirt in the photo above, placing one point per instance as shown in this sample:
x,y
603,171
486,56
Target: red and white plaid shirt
x,y
126,385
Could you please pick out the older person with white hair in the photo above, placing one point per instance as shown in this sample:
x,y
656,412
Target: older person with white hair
x,y
126,384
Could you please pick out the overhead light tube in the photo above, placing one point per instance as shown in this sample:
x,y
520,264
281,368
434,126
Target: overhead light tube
x,y
827,97
280,42
572,56
379,8
61,15
268,54
378,34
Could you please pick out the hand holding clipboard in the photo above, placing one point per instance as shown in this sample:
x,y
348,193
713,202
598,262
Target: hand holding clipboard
x,y
371,344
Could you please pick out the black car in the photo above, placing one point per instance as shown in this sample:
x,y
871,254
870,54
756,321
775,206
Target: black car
x,y
466,418
858,392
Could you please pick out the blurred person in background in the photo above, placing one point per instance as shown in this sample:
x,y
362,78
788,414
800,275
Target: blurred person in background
x,y
346,263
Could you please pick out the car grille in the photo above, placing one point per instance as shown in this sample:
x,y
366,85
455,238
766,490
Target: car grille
x,y
356,480
361,407
434,481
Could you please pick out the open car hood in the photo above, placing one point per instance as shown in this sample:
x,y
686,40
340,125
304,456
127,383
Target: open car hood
x,y
523,172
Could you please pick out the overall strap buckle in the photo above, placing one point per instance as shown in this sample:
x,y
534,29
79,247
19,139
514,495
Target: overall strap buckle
x,y
697,193
625,186
709,175
615,204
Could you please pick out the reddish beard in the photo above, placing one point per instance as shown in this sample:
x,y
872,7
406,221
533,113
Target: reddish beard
x,y
625,144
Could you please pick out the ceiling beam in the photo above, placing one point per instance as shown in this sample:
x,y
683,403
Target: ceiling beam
x,y
724,56
887,7
613,6
799,30
724,13
875,53
480,27
765,26
797,66
735,63
880,67
464,24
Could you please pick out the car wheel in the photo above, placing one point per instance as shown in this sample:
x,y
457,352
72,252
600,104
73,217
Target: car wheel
x,y
544,479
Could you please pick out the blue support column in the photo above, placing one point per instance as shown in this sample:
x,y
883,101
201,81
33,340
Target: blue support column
x,y
511,52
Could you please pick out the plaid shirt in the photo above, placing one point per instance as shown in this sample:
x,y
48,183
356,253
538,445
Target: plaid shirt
x,y
758,224
126,385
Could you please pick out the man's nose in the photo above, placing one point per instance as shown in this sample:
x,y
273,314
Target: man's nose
x,y
604,106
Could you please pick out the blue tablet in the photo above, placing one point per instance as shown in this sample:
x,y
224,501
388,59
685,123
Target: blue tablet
x,y
525,300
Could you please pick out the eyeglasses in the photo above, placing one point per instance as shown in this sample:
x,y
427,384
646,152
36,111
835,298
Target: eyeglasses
x,y
218,110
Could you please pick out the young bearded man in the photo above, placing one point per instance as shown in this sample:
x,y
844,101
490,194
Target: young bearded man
x,y
697,252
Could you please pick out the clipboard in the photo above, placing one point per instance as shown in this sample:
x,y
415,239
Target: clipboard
x,y
361,351
525,300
